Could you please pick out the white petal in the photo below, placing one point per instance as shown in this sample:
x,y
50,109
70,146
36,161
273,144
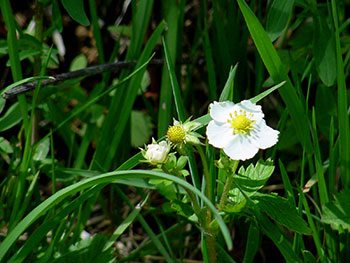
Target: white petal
x,y
219,134
241,148
264,136
254,111
220,111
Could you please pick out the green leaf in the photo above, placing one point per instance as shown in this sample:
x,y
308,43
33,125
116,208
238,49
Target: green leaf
x,y
174,83
279,238
75,9
266,92
11,118
102,179
181,208
277,17
253,243
124,225
2,104
324,52
5,146
250,180
337,212
325,107
281,210
42,150
274,66
56,16
227,92
79,62
88,250
141,128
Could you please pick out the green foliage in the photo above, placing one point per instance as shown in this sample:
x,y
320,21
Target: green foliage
x,y
336,213
76,10
69,150
283,212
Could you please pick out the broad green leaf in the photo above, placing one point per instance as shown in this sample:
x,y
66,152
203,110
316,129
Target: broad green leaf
x,y
5,146
281,210
42,150
75,9
141,128
337,212
324,52
11,118
79,62
250,180
279,239
277,17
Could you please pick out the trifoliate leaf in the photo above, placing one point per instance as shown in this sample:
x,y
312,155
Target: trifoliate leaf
x,y
283,212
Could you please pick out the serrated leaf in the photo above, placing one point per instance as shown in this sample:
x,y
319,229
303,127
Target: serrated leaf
x,y
234,208
75,9
280,210
251,180
254,178
337,212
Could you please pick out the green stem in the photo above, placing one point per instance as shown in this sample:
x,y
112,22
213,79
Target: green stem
x,y
210,242
228,183
208,181
209,236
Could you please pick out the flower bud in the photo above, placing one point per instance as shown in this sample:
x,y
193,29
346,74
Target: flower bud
x,y
156,153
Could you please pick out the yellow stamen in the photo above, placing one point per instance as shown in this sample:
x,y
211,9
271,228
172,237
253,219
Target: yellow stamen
x,y
176,134
240,123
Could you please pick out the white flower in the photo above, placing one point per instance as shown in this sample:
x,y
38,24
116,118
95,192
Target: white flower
x,y
239,129
156,153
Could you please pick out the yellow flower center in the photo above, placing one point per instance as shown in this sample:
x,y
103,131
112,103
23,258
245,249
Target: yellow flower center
x,y
176,134
241,124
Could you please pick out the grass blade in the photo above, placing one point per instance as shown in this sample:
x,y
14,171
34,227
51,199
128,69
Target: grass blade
x,y
106,178
275,67
174,84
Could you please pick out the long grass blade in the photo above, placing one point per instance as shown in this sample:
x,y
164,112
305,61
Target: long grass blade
x,y
106,178
277,71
